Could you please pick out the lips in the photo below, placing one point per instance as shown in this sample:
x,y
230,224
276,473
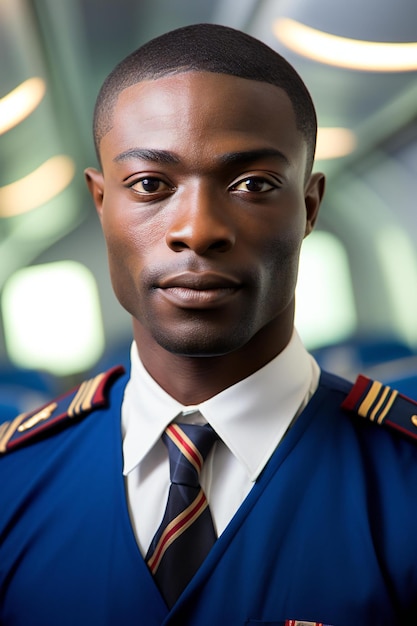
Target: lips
x,y
199,289
199,281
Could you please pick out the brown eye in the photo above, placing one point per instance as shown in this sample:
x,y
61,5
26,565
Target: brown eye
x,y
149,185
253,184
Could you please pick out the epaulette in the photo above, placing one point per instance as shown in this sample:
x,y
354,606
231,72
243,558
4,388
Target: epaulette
x,y
90,395
382,405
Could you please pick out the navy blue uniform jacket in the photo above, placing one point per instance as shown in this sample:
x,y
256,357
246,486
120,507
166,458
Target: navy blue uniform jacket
x,y
328,533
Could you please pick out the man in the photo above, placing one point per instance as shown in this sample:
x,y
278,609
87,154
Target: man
x,y
205,139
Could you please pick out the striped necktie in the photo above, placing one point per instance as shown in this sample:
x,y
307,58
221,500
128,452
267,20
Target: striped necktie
x,y
186,533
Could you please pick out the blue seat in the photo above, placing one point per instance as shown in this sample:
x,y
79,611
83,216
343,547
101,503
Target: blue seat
x,y
22,390
361,353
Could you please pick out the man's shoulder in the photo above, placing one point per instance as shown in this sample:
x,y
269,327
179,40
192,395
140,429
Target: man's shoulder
x,y
64,411
375,402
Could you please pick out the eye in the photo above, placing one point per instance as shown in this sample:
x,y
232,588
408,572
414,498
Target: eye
x,y
253,184
149,185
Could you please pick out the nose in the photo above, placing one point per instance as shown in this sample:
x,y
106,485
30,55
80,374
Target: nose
x,y
200,223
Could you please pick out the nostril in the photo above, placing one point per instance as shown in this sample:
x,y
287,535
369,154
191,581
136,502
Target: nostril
x,y
201,247
177,245
221,245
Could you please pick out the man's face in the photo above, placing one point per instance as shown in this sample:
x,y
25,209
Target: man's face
x,y
204,205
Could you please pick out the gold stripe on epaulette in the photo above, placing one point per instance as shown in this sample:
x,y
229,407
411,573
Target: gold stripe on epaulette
x,y
88,398
3,428
382,404
389,404
72,407
9,431
369,399
379,404
82,400
44,414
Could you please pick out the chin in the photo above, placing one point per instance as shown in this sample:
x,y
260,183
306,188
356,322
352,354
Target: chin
x,y
200,344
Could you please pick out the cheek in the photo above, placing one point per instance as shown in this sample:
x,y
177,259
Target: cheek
x,y
124,258
133,240
280,265
122,277
126,237
281,243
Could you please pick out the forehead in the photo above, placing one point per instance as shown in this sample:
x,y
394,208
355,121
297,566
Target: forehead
x,y
202,110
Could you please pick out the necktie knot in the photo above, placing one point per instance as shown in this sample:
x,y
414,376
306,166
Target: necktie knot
x,y
188,447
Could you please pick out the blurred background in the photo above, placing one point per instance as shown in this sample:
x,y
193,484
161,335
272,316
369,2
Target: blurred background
x,y
357,291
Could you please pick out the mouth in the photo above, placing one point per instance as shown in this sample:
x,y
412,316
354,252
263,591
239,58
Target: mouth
x,y
199,289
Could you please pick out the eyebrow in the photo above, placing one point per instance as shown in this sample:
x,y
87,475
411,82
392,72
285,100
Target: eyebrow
x,y
147,154
165,157
248,156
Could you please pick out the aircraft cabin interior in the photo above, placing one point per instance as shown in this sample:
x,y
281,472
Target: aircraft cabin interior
x,y
357,288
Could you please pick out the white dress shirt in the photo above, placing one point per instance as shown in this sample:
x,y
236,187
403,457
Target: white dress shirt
x,y
250,417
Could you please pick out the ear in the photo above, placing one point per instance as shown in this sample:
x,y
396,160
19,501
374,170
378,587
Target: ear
x,y
95,183
313,196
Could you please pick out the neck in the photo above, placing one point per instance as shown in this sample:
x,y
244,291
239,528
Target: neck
x,y
194,379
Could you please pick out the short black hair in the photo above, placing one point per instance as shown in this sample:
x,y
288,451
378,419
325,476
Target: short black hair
x,y
207,48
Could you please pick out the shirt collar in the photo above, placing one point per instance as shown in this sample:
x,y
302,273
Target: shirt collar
x,y
250,417
146,411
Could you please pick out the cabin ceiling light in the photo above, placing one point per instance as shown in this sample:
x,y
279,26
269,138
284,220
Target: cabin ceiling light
x,y
38,187
19,103
333,143
344,52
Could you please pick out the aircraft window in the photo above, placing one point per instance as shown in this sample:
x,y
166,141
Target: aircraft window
x,y
398,262
325,304
52,318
